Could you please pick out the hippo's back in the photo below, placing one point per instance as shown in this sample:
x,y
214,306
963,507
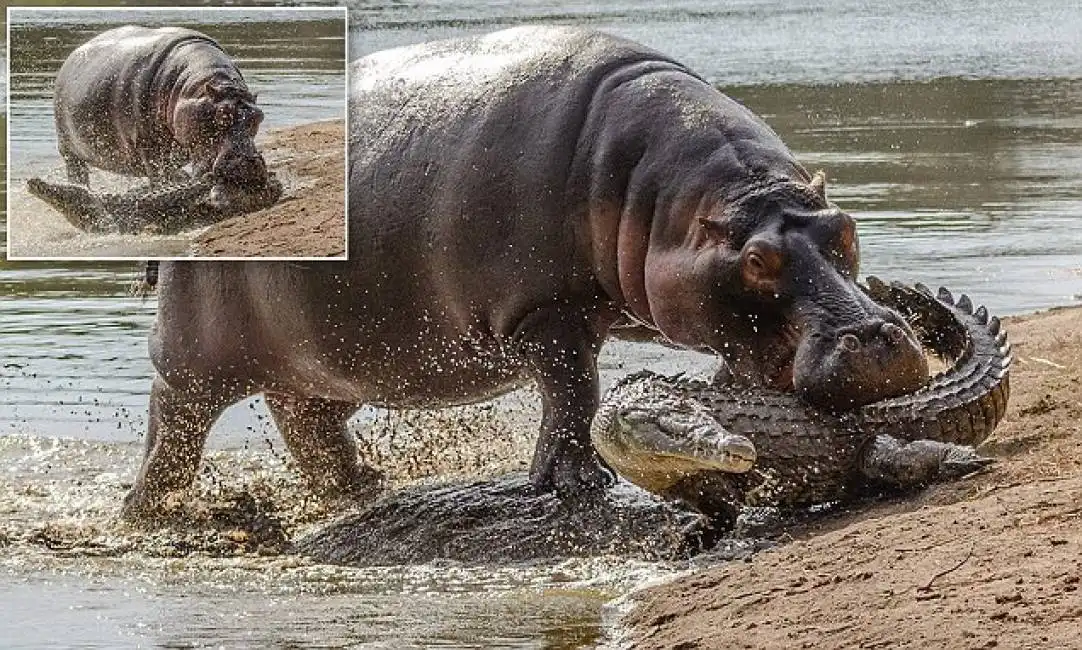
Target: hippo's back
x,y
461,157
105,93
430,82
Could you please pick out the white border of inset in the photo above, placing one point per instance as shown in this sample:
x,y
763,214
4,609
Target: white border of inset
x,y
343,10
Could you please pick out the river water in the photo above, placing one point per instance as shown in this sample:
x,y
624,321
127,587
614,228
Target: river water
x,y
951,130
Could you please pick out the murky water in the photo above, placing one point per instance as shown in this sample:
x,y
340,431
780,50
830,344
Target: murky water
x,y
953,132
294,60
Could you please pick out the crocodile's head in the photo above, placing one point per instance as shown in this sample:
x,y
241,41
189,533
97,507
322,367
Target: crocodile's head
x,y
656,440
668,434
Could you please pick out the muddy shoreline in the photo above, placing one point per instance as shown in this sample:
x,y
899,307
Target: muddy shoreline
x,y
994,560
309,221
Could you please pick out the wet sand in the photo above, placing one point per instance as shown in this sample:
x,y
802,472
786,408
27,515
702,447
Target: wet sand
x,y
992,561
310,219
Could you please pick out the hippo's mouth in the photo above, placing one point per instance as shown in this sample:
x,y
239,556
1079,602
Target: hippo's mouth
x,y
232,198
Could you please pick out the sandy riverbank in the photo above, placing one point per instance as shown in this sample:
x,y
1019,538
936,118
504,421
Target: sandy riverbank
x,y
310,219
992,561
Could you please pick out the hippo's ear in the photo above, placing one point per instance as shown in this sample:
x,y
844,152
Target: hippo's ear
x,y
715,229
212,90
819,184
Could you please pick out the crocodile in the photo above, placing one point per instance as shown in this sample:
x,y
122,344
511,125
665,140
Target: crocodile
x,y
162,209
721,447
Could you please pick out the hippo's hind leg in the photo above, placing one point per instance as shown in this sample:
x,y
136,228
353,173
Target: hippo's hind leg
x,y
77,169
315,431
561,351
180,421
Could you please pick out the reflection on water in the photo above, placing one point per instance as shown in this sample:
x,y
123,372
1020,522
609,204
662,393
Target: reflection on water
x,y
952,131
972,184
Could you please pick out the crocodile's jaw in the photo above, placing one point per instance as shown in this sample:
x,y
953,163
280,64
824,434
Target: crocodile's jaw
x,y
657,449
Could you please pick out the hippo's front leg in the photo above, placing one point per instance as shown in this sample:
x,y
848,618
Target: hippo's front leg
x,y
180,421
561,351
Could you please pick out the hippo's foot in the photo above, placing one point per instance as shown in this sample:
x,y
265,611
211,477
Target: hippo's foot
x,y
578,475
323,447
365,484
141,511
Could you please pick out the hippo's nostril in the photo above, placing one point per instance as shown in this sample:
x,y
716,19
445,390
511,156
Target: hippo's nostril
x,y
850,342
893,333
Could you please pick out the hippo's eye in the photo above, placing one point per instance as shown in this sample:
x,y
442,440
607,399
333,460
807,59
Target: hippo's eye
x,y
223,115
761,269
756,263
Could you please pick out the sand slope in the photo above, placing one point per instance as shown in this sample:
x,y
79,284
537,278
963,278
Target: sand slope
x,y
310,219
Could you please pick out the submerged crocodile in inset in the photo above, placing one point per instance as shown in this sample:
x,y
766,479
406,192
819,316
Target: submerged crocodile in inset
x,y
718,448
162,209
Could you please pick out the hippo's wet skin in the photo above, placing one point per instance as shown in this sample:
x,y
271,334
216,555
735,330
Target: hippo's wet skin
x,y
147,102
511,196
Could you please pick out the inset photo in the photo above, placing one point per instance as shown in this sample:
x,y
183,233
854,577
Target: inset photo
x,y
164,133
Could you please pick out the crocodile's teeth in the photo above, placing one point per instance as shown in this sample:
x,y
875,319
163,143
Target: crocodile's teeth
x,y
981,315
923,289
993,325
965,304
944,295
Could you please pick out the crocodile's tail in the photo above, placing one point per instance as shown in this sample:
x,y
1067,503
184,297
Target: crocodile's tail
x,y
74,202
144,287
964,403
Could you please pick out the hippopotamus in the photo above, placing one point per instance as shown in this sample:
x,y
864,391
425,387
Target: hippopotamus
x,y
511,196
147,102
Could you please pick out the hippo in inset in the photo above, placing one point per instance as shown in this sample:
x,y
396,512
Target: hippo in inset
x,y
511,196
147,102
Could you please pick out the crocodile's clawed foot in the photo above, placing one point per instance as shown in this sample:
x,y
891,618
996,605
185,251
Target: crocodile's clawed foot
x,y
961,461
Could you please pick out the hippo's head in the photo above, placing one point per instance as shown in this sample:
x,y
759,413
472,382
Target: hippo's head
x,y
771,288
216,123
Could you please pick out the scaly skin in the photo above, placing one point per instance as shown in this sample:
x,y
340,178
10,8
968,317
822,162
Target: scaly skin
x,y
164,209
804,455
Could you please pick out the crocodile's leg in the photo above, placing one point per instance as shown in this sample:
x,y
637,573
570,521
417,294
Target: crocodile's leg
x,y
913,464
718,495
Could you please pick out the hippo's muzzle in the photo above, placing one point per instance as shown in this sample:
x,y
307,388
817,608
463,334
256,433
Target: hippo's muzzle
x,y
866,360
